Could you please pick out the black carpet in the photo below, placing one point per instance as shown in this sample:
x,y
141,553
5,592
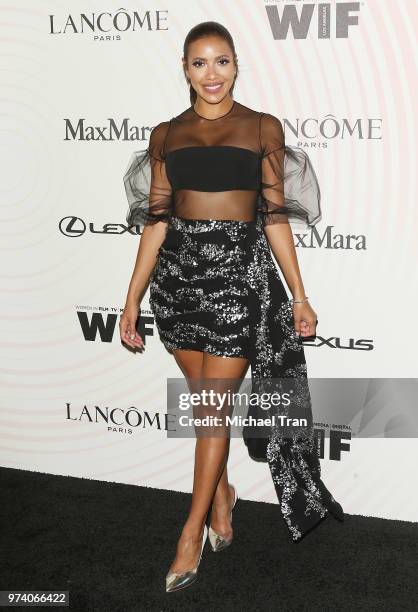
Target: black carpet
x,y
111,545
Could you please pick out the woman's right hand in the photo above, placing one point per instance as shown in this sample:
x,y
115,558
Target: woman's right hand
x,y
127,327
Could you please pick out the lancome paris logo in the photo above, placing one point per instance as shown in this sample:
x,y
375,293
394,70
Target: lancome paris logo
x,y
108,25
118,420
323,19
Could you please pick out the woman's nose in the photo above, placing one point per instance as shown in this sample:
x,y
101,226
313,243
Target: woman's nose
x,y
211,72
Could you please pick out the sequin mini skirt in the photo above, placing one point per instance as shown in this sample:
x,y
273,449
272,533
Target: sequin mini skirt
x,y
199,289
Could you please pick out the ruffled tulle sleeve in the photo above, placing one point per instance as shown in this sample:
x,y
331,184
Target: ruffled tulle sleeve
x,y
289,187
148,190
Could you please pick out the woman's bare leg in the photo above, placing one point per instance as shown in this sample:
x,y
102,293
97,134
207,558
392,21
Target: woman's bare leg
x,y
211,454
191,364
221,506
224,494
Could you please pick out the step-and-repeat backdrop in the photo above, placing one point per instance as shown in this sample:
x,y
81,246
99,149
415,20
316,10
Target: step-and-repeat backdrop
x,y
83,84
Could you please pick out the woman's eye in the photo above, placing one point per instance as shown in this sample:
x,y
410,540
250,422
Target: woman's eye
x,y
199,63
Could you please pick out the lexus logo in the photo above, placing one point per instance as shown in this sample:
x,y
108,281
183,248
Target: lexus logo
x,y
73,227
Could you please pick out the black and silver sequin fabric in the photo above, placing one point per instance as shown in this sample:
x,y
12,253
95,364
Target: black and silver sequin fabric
x,y
215,288
199,292
277,353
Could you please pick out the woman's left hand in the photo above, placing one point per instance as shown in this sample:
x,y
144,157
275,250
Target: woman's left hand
x,y
305,319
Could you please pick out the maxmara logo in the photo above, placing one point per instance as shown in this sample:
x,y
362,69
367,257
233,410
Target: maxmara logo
x,y
325,19
328,238
109,24
328,127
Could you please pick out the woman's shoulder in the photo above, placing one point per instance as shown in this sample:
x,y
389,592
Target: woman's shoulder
x,y
184,115
246,109
161,128
269,119
271,124
266,116
246,112
157,139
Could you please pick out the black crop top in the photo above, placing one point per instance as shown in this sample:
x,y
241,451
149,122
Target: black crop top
x,y
234,167
213,168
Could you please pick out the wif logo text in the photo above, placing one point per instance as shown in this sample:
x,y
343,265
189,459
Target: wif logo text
x,y
331,19
104,327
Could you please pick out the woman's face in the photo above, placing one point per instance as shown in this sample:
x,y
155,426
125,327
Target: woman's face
x,y
210,68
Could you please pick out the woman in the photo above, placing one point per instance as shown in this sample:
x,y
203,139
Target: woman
x,y
215,190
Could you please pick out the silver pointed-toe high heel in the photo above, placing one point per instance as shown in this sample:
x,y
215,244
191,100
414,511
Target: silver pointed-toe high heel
x,y
175,581
217,541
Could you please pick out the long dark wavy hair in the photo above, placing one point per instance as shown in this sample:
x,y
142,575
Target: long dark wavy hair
x,y
208,28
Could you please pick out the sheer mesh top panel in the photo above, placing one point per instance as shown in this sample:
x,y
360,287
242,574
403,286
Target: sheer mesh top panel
x,y
214,165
